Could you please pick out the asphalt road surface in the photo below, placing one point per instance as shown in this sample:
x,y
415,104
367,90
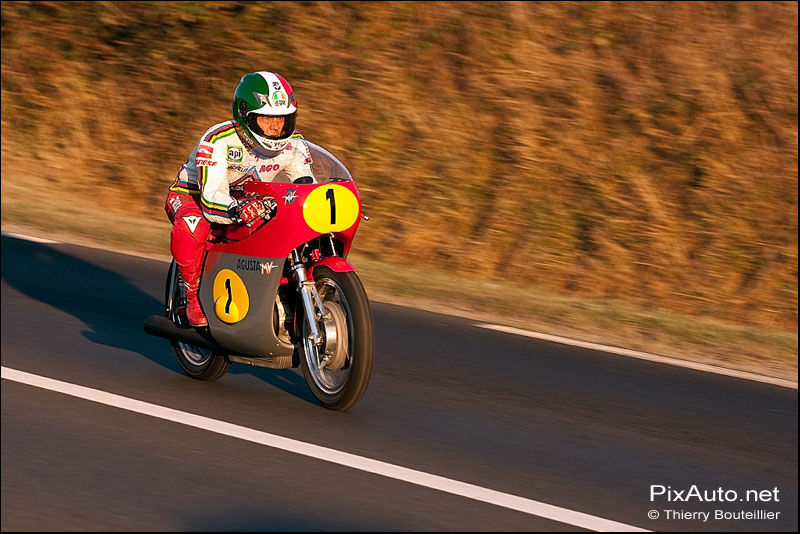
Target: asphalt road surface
x,y
527,421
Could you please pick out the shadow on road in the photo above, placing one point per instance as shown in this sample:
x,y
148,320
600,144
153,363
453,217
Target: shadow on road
x,y
111,307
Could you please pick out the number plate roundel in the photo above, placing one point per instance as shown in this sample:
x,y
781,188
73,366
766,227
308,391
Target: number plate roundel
x,y
231,301
330,208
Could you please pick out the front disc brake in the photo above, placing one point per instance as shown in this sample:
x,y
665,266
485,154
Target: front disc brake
x,y
336,336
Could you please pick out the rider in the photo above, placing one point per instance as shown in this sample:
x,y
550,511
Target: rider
x,y
258,144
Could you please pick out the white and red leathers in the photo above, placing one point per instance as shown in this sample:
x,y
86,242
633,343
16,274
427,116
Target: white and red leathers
x,y
201,194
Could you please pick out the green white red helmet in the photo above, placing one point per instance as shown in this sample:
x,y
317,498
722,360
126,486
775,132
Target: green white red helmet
x,y
264,93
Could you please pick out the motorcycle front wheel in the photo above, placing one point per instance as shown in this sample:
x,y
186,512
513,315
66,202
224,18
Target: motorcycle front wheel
x,y
197,362
338,370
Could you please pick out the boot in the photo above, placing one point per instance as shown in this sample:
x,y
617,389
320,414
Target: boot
x,y
193,310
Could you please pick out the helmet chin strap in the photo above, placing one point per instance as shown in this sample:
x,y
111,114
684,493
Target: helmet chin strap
x,y
273,146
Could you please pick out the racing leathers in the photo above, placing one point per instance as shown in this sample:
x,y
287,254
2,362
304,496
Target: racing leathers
x,y
201,195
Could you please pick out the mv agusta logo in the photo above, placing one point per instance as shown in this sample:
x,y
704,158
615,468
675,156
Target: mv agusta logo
x,y
255,265
289,197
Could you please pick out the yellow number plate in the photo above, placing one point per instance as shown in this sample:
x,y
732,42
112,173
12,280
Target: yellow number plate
x,y
331,208
231,301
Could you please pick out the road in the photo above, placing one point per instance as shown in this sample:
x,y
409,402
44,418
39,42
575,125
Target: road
x,y
553,424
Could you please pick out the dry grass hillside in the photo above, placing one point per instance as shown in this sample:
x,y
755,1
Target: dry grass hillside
x,y
645,152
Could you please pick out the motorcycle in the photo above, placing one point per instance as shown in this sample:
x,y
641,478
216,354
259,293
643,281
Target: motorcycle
x,y
280,293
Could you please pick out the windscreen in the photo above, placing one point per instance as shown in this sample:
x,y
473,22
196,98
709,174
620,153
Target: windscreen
x,y
324,166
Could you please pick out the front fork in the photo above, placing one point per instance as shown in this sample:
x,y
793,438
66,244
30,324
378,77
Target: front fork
x,y
312,303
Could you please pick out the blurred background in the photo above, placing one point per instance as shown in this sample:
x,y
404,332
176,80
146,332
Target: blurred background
x,y
642,153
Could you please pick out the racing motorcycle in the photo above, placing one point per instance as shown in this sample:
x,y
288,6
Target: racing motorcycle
x,y
280,293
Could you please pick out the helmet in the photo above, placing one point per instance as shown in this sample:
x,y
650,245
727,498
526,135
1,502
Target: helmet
x,y
264,93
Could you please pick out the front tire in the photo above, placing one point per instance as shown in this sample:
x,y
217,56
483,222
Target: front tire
x,y
349,337
197,362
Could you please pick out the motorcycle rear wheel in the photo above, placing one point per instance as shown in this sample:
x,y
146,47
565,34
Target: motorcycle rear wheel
x,y
196,362
343,379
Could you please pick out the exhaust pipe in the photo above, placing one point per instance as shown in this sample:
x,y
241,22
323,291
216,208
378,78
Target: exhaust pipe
x,y
157,325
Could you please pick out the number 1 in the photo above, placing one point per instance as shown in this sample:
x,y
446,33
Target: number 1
x,y
230,295
329,196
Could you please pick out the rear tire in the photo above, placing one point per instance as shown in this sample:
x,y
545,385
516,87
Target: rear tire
x,y
196,362
342,381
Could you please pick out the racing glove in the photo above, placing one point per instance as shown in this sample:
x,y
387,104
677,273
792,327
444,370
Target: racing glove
x,y
248,210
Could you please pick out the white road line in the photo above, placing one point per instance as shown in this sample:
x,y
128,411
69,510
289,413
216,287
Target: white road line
x,y
470,491
643,356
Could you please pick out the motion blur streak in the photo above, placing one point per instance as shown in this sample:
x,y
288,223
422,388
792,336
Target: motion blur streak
x,y
455,487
